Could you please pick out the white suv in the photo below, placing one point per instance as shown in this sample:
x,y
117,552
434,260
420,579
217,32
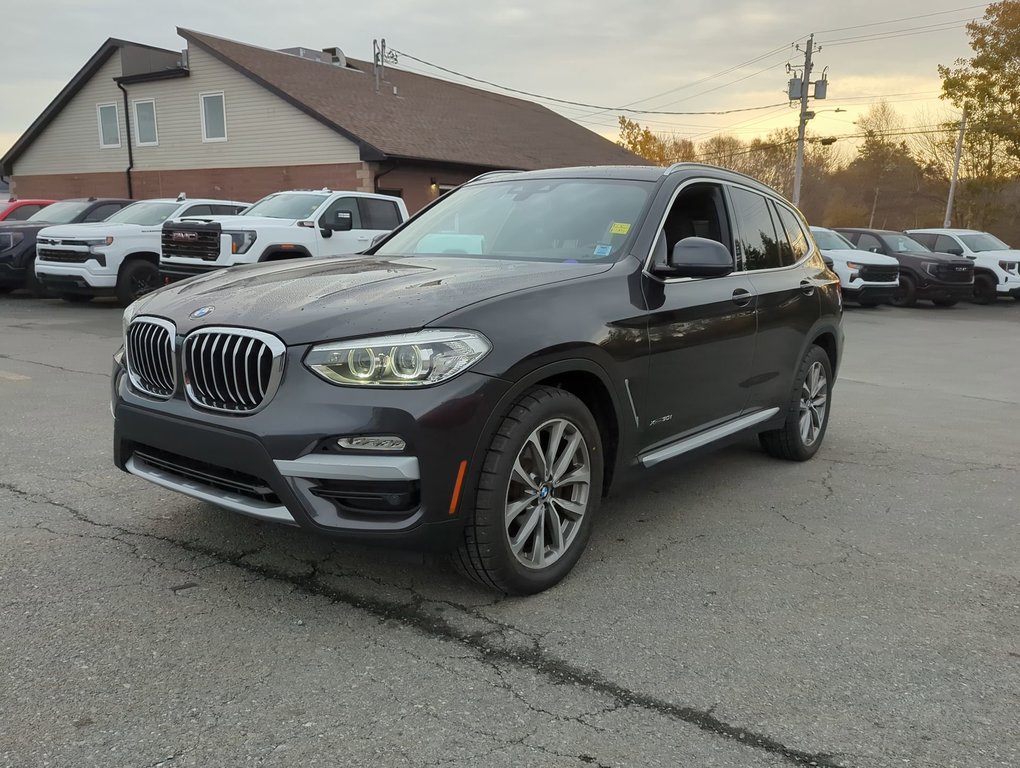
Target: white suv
x,y
284,225
868,278
116,257
996,271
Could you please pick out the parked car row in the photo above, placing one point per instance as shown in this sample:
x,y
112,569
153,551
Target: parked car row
x,y
943,266
80,249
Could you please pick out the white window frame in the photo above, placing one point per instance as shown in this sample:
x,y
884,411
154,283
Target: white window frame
x,y
201,112
99,124
155,123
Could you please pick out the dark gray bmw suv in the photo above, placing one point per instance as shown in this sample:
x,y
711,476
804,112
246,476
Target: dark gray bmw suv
x,y
480,379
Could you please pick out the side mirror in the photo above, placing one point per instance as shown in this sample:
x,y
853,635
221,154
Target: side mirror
x,y
828,261
955,250
343,221
700,257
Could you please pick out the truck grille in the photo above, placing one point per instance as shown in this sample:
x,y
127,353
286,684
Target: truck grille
x,y
956,273
191,241
234,370
68,257
150,356
879,274
208,474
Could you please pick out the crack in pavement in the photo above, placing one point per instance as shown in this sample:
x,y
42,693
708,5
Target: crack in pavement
x,y
413,614
50,365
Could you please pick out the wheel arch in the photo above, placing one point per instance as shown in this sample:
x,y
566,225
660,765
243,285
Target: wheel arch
x,y
279,253
149,256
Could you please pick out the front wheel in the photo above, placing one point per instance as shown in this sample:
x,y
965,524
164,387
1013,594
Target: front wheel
x,y
984,289
906,293
137,278
807,411
539,488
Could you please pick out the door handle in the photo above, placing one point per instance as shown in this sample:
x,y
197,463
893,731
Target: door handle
x,y
363,239
741,297
807,287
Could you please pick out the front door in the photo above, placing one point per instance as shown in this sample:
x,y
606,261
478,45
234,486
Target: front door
x,y
369,217
701,330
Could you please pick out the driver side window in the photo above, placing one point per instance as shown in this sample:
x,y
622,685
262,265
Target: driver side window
x,y
349,204
870,243
698,211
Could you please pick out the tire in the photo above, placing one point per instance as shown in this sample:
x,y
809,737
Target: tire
x,y
32,284
906,294
944,302
984,289
804,428
513,473
137,277
76,298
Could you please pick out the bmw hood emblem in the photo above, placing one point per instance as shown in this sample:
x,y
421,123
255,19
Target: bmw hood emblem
x,y
201,312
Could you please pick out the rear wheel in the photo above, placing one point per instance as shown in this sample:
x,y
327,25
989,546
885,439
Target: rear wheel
x,y
137,278
807,411
984,289
76,298
539,488
906,294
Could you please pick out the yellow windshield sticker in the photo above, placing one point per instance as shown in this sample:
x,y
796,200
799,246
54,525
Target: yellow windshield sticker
x,y
619,229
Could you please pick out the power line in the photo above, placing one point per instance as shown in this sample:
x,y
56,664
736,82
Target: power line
x,y
906,18
577,103
896,33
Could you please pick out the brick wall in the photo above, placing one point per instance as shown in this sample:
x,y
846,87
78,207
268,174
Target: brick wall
x,y
415,181
247,184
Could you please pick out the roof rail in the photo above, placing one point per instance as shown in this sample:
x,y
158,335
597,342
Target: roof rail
x,y
493,173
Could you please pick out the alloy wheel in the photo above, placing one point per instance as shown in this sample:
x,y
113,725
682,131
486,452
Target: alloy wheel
x,y
814,400
547,495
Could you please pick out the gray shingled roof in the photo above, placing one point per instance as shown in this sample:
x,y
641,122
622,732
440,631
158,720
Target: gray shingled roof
x,y
427,119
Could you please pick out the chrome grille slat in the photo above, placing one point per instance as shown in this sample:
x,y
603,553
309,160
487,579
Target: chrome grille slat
x,y
151,364
232,370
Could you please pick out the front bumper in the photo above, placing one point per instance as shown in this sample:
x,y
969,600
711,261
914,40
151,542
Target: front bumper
x,y
171,272
282,463
945,291
12,273
64,278
878,293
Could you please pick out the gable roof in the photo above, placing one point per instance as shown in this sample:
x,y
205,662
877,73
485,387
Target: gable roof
x,y
147,57
427,118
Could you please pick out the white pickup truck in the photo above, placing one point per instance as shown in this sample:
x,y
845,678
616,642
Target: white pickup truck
x,y
285,225
118,256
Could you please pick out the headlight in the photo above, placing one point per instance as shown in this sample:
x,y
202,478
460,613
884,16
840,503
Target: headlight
x,y
1009,266
854,265
98,242
403,360
930,267
240,242
10,239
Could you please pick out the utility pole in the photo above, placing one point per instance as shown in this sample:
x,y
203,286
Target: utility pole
x,y
798,171
956,169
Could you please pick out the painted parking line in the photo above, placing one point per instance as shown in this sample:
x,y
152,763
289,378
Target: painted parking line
x,y
14,376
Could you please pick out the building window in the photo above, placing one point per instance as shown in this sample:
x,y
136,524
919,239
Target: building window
x,y
145,123
214,117
109,126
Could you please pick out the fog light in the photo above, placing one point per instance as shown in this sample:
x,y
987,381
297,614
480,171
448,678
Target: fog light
x,y
372,443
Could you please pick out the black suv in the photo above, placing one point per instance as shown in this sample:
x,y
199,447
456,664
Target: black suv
x,y
17,238
480,378
940,277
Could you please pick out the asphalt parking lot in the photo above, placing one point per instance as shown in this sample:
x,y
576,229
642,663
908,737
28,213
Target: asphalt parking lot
x,y
862,609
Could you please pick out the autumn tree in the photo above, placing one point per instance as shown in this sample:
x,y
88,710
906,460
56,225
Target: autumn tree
x,y
988,83
659,149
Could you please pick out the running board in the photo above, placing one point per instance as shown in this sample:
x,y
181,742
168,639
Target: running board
x,y
707,437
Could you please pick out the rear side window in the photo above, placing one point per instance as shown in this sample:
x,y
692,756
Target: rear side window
x,y
23,212
794,246
379,214
198,210
759,243
100,212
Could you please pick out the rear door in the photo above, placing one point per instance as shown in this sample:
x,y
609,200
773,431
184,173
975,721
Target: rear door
x,y
701,330
774,250
378,217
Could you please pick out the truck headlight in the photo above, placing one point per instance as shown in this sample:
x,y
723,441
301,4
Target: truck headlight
x,y
402,360
10,239
1009,266
241,241
931,267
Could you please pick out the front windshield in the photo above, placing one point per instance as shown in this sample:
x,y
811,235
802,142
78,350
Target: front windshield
x,y
984,242
60,213
570,220
287,206
146,213
831,241
904,244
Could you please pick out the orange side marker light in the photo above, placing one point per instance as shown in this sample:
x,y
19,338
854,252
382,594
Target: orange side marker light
x,y
457,486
